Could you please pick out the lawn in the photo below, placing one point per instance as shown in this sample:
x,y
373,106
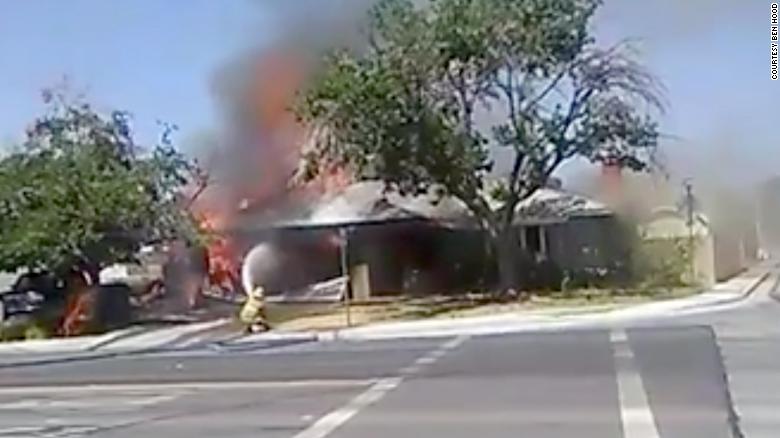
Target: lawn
x,y
331,316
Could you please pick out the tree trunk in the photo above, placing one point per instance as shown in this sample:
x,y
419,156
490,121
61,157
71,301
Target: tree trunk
x,y
507,253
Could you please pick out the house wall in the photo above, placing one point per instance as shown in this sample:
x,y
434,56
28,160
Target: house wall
x,y
405,257
590,243
585,248
671,226
705,261
298,257
421,257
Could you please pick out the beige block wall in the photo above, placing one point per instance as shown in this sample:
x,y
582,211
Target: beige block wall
x,y
704,261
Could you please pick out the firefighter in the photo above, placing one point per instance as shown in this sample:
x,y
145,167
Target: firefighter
x,y
253,313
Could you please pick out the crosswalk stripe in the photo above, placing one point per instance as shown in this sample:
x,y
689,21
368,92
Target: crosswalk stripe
x,y
635,413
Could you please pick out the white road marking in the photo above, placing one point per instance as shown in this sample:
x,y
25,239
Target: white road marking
x,y
411,369
438,354
151,401
426,360
93,402
635,412
434,356
189,343
44,432
233,385
455,343
20,432
333,420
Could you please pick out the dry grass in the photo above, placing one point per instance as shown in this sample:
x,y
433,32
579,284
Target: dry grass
x,y
330,316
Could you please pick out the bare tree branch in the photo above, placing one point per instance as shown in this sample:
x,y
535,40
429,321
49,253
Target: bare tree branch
x,y
552,85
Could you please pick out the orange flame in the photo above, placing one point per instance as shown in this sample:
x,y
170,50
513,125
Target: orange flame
x,y
270,148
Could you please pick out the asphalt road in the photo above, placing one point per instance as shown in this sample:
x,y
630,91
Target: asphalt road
x,y
653,382
749,341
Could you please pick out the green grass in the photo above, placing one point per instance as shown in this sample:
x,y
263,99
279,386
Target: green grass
x,y
27,330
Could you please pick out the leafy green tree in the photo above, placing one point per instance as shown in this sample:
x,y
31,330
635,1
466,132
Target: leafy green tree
x,y
410,108
81,193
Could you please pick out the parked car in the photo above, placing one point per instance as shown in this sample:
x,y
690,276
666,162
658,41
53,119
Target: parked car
x,y
33,296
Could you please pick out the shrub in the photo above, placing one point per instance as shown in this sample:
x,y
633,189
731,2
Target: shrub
x,y
35,331
663,263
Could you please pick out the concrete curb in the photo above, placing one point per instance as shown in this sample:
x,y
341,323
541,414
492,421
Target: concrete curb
x,y
744,295
733,416
263,341
68,358
753,287
105,347
774,293
279,341
64,346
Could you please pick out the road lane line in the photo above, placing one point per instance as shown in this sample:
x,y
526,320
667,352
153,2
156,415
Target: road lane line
x,y
426,360
228,385
635,412
455,343
411,369
333,420
191,342
438,354
433,356
39,402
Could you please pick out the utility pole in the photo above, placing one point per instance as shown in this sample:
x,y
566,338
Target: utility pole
x,y
689,204
343,246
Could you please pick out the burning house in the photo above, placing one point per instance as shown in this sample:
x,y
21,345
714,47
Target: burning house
x,y
397,244
405,245
251,166
418,245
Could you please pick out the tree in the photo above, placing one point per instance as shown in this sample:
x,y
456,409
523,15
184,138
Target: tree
x,y
81,193
406,109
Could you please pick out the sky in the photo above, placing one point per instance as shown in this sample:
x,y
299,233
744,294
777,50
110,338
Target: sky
x,y
158,59
153,58
713,58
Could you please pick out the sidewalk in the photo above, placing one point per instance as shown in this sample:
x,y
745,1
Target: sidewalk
x,y
131,340
729,293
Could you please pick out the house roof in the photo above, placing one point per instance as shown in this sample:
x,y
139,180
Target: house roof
x,y
548,204
360,203
369,202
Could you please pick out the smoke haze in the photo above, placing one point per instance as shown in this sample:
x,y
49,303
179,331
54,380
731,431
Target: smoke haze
x,y
708,53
